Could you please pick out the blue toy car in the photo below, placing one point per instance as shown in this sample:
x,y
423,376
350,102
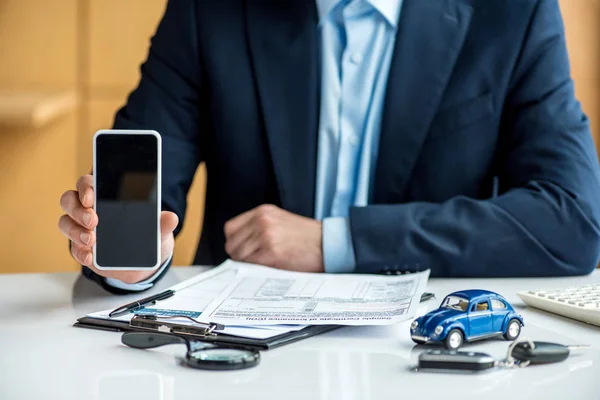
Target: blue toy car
x,y
467,316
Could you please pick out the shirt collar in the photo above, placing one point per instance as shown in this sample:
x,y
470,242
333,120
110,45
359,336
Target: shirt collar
x,y
390,9
325,6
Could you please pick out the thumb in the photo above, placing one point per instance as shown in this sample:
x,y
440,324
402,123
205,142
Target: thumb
x,y
168,222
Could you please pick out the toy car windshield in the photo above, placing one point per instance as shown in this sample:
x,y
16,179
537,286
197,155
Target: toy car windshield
x,y
456,303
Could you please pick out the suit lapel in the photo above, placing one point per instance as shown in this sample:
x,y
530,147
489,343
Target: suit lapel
x,y
429,38
283,45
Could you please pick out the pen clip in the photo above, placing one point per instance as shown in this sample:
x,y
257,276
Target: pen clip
x,y
145,316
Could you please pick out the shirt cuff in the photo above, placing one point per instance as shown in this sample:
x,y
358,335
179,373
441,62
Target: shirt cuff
x,y
140,286
338,252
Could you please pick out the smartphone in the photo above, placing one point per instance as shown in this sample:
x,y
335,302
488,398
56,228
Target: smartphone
x,y
127,199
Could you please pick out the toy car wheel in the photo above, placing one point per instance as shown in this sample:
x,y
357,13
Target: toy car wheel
x,y
513,329
454,339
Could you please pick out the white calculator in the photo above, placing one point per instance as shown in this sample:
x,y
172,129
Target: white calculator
x,y
581,302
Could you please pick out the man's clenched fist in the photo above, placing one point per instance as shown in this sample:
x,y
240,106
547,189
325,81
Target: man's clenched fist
x,y
268,235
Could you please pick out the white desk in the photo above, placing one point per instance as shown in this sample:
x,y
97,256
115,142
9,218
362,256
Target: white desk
x,y
43,357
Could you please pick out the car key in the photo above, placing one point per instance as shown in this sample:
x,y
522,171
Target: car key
x,y
542,352
452,360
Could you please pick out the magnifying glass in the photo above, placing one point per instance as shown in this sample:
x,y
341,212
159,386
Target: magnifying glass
x,y
200,355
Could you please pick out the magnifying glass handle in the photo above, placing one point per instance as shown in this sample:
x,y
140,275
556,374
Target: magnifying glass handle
x,y
143,340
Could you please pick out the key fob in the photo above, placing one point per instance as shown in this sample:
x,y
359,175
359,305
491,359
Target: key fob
x,y
455,360
542,353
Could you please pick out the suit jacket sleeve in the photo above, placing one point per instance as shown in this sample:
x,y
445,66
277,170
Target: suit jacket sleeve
x,y
168,99
545,220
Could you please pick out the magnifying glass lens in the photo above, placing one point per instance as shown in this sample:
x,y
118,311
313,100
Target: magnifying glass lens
x,y
223,359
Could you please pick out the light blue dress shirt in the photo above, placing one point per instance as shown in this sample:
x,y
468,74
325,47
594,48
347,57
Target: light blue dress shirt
x,y
357,42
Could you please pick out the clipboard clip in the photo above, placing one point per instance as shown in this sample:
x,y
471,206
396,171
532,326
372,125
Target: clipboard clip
x,y
154,323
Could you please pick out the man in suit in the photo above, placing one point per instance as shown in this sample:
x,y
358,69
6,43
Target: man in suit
x,y
368,136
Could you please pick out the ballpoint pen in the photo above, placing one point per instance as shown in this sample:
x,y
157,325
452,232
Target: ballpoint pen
x,y
127,308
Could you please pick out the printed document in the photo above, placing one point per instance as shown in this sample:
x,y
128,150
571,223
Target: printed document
x,y
192,296
259,302
265,296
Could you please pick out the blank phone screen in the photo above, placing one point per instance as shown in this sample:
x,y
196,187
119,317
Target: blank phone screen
x,y
126,173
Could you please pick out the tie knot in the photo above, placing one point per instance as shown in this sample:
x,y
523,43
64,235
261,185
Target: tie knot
x,y
351,9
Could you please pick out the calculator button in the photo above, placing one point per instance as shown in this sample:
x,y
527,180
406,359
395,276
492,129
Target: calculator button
x,y
586,304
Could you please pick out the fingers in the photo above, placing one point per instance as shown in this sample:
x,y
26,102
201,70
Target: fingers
x,y
81,254
76,233
248,232
71,205
80,220
239,248
237,223
238,234
261,257
261,214
168,222
85,190
236,239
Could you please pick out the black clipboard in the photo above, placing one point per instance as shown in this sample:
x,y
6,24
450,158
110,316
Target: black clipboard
x,y
201,333
207,333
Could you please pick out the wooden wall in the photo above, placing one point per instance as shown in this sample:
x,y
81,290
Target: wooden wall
x,y
582,21
36,164
67,65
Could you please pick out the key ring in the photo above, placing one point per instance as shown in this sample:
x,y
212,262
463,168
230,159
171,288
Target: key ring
x,y
510,361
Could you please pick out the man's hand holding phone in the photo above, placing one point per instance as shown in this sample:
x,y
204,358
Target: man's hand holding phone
x,y
80,220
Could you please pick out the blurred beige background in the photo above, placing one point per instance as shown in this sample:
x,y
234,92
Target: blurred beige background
x,y
65,68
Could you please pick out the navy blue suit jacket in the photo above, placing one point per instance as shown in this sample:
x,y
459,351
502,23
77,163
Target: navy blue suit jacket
x,y
486,164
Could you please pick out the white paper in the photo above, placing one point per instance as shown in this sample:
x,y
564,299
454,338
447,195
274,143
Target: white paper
x,y
193,295
265,296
